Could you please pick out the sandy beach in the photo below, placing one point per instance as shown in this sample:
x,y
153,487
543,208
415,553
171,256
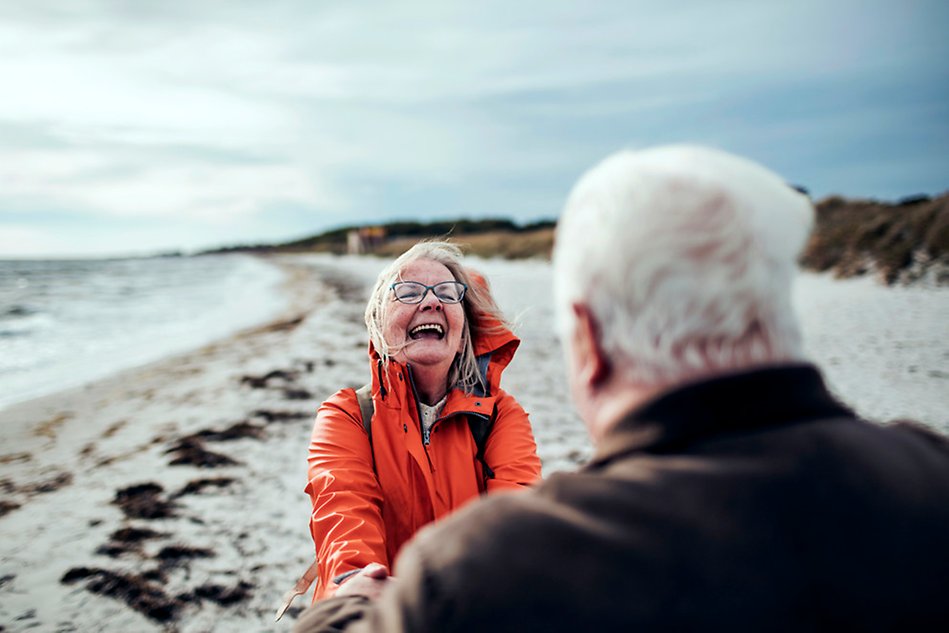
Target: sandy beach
x,y
170,496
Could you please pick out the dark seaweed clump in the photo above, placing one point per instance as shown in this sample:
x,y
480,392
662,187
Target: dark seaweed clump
x,y
281,416
177,555
197,486
224,596
50,485
127,540
285,379
237,431
144,501
263,382
191,451
137,592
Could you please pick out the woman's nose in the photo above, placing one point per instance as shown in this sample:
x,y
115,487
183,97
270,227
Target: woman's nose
x,y
430,301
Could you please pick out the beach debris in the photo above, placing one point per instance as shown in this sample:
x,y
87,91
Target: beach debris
x,y
190,451
297,394
281,416
113,550
135,535
281,326
137,592
196,486
15,458
127,540
52,484
26,615
156,575
176,555
285,380
144,501
263,382
224,596
115,428
48,428
236,431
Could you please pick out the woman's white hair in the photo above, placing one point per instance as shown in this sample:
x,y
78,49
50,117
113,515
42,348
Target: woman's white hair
x,y
480,309
685,256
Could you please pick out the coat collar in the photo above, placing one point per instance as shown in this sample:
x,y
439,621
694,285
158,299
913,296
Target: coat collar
x,y
738,402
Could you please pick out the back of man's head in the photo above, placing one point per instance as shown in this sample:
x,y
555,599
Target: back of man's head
x,y
685,258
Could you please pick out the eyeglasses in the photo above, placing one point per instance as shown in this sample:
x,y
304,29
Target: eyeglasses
x,y
414,292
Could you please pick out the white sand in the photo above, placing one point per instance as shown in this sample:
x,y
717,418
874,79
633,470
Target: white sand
x,y
885,351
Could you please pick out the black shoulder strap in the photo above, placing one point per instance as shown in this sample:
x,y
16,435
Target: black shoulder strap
x,y
366,410
480,430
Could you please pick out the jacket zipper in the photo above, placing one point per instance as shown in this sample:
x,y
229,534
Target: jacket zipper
x,y
418,416
427,433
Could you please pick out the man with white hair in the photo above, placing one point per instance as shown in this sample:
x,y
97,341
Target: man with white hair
x,y
729,489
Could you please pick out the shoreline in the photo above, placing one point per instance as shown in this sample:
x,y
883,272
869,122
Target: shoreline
x,y
172,453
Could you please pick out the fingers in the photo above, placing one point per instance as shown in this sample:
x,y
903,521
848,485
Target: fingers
x,y
375,570
369,582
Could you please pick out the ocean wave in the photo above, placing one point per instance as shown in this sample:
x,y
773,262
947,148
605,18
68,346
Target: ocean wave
x,y
89,319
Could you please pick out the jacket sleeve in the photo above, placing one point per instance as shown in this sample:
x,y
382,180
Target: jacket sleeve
x,y
510,450
346,521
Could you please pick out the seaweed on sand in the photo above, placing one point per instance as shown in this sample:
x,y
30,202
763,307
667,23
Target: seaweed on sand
x,y
197,486
134,590
190,451
144,501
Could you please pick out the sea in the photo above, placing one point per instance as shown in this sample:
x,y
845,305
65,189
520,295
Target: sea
x,y
65,323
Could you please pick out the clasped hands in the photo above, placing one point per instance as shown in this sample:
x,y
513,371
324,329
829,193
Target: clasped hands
x,y
368,581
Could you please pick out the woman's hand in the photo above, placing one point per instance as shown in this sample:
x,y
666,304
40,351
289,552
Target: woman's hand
x,y
369,582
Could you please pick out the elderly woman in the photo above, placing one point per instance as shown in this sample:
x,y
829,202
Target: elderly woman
x,y
437,348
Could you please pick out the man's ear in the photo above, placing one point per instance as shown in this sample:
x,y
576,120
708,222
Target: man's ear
x,y
592,366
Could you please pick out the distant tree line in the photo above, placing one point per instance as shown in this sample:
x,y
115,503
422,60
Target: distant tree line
x,y
900,242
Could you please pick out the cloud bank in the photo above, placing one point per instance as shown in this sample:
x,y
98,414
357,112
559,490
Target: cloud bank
x,y
178,125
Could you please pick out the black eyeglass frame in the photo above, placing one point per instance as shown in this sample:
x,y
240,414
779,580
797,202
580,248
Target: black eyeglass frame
x,y
461,295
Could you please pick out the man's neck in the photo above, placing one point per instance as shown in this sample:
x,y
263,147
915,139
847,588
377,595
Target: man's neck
x,y
615,402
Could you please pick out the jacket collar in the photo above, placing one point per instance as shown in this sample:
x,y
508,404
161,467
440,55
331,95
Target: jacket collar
x,y
738,402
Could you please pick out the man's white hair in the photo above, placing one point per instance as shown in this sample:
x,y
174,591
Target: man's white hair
x,y
685,256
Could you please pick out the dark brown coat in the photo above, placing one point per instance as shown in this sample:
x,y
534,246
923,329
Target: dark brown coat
x,y
753,502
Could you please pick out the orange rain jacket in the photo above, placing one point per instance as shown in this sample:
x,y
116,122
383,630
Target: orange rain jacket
x,y
363,515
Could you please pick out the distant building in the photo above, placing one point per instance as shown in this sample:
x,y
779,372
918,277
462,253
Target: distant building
x,y
364,239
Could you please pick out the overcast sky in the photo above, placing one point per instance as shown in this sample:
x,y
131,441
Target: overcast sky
x,y
132,127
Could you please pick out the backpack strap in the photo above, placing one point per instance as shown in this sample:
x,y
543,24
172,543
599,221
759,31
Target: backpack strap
x,y
480,430
366,409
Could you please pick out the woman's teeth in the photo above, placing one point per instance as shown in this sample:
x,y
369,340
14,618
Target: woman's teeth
x,y
427,328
